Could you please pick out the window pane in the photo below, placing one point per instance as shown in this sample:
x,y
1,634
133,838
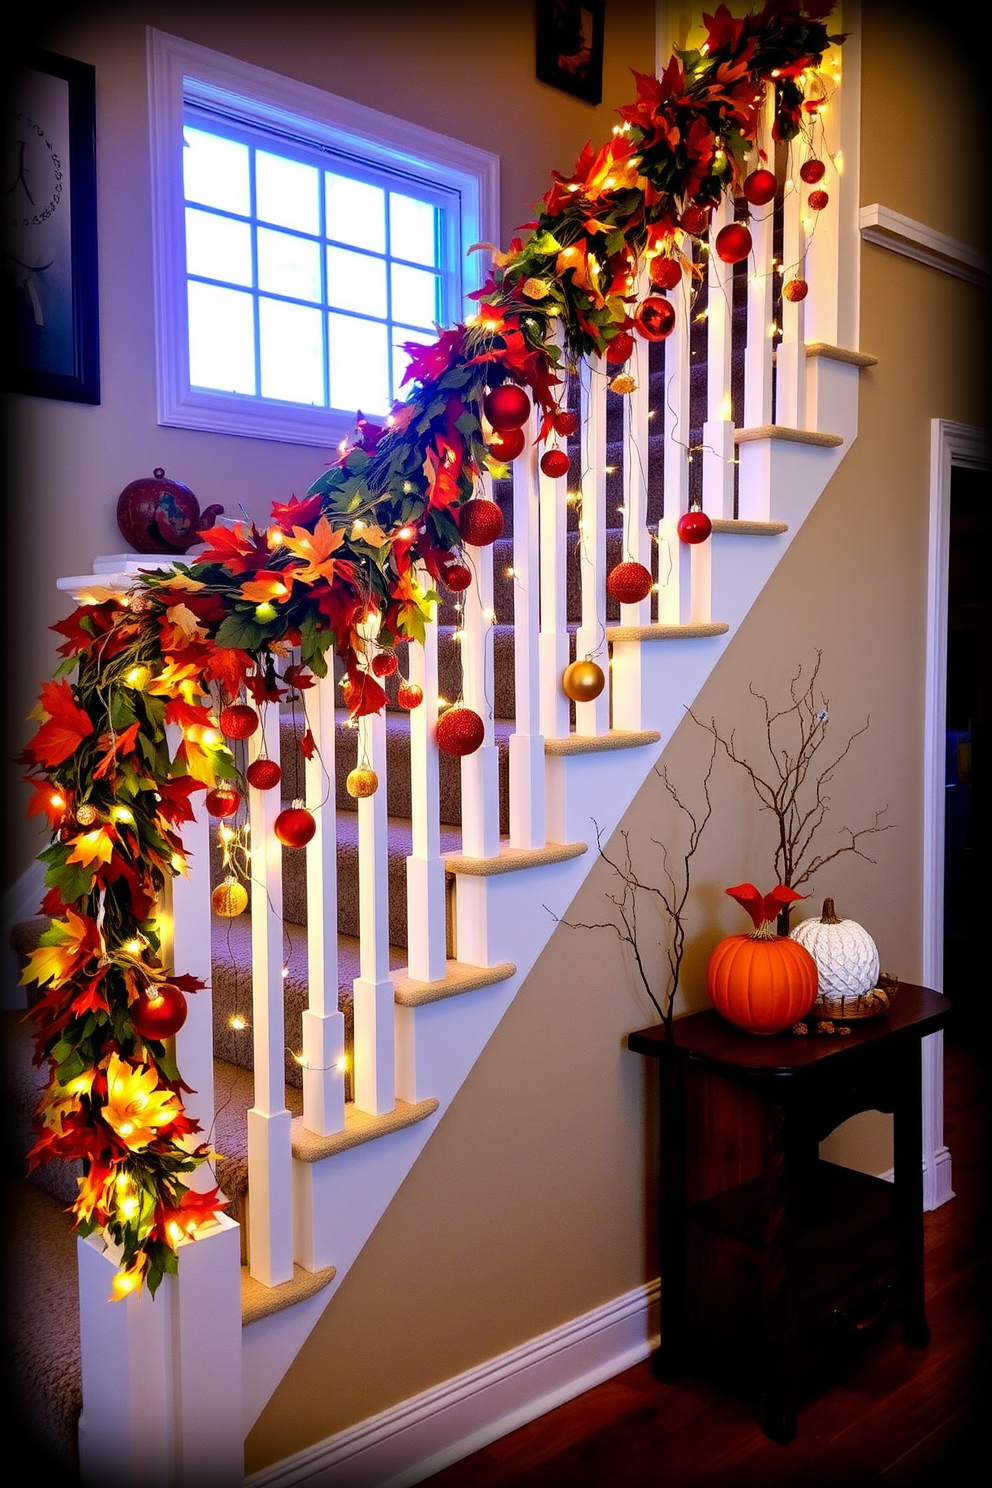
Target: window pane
x,y
359,371
356,213
412,231
401,360
218,247
292,352
356,282
221,339
415,296
288,265
286,192
215,171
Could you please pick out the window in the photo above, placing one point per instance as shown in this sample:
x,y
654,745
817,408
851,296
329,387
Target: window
x,y
300,241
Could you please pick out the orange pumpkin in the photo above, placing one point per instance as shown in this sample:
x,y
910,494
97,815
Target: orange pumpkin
x,y
756,981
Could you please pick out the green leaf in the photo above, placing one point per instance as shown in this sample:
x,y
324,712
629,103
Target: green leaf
x,y
240,633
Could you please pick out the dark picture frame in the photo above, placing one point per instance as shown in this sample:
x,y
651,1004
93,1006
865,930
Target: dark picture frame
x,y
570,46
50,229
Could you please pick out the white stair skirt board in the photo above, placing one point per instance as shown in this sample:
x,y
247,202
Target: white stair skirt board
x,y
417,1438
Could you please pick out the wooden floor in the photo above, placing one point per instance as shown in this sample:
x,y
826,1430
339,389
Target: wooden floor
x,y
900,1416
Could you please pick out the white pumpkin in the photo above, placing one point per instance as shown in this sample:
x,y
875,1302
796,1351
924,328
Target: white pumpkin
x,y
846,959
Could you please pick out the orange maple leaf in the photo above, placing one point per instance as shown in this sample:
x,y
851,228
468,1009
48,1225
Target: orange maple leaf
x,y
315,548
92,847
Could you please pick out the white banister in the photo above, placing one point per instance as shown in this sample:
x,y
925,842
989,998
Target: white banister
x,y
425,887
593,717
375,1039
527,801
323,1021
269,1153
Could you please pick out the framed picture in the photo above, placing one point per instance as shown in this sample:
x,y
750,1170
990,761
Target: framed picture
x,y
570,46
50,230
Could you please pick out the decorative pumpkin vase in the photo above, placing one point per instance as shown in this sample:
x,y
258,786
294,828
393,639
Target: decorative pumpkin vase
x,y
156,515
763,983
847,965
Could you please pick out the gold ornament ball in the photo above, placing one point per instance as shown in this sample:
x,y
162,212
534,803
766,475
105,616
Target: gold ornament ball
x,y
582,681
362,782
86,815
229,899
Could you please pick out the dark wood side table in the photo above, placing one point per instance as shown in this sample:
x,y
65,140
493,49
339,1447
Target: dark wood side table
x,y
772,1260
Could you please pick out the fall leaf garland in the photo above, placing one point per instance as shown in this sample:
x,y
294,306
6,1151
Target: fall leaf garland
x,y
127,729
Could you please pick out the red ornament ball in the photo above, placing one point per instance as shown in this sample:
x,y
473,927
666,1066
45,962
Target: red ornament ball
x,y
384,663
795,290
654,318
158,1012
295,826
480,522
238,721
222,801
665,273
555,462
263,774
583,680
818,200
565,422
760,187
694,526
457,576
629,583
812,170
507,444
507,406
620,347
459,731
733,242
694,220
409,695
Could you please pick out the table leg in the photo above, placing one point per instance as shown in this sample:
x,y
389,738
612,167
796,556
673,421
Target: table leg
x,y
907,1134
669,1360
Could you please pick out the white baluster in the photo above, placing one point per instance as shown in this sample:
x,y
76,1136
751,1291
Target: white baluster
x,y
323,1021
269,1151
480,771
527,804
375,1038
790,358
674,577
593,717
425,885
718,428
553,503
758,355
831,264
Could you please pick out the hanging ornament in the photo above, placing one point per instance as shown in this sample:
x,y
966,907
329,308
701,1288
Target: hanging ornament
x,y
665,273
459,731
86,814
583,680
623,383
384,663
229,899
555,463
507,406
694,220
760,187
409,695
480,521
812,170
818,200
295,825
629,583
158,1012
795,290
506,444
565,422
654,318
733,242
620,348
361,782
694,526
457,576
238,721
263,774
222,801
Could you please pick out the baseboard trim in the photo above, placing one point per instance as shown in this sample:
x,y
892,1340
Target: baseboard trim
x,y
417,1438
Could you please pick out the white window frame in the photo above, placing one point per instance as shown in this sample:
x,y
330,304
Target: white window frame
x,y
180,71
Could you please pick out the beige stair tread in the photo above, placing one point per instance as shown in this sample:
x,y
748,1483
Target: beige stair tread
x,y
745,528
598,743
359,1127
259,1301
695,631
789,436
840,354
512,859
459,977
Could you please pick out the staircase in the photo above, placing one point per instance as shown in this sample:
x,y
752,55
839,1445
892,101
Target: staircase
x,y
349,1004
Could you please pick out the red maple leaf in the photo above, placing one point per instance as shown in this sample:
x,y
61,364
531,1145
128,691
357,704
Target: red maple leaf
x,y
296,513
239,549
64,730
112,746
